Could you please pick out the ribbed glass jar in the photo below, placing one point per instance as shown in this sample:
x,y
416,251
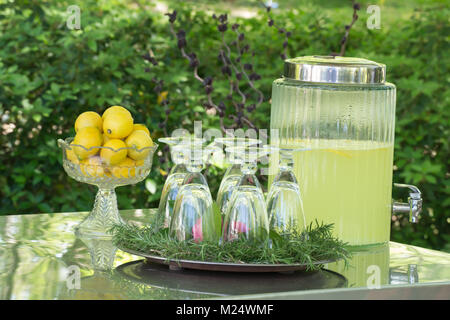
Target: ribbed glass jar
x,y
346,177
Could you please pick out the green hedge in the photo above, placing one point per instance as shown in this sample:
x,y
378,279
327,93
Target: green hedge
x,y
49,74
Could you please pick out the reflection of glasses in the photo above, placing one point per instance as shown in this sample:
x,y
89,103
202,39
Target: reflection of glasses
x,y
284,202
193,216
233,173
246,212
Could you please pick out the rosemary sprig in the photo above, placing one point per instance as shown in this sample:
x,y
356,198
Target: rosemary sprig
x,y
313,245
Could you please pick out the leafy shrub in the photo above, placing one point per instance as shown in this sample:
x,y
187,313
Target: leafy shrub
x,y
49,74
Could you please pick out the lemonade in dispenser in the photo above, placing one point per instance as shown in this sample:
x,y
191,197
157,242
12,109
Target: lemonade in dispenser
x,y
343,110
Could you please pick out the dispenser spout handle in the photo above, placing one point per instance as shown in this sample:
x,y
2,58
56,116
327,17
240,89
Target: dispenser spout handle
x,y
414,205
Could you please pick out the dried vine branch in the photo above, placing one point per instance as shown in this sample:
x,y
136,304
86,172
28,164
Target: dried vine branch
x,y
356,7
271,23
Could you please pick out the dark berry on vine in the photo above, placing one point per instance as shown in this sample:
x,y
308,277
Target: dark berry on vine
x,y
222,27
226,70
172,16
208,89
207,81
181,43
254,76
223,18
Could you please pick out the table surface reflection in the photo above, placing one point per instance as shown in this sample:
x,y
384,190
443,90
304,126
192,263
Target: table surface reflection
x,y
41,258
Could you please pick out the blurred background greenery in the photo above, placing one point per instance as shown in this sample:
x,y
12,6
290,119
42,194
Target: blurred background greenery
x,y
50,74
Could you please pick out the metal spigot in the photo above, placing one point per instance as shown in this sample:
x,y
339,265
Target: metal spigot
x,y
414,205
411,276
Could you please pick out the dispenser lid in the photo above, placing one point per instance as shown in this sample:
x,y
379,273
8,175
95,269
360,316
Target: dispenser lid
x,y
335,69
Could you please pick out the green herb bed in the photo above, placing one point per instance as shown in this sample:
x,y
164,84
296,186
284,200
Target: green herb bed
x,y
313,245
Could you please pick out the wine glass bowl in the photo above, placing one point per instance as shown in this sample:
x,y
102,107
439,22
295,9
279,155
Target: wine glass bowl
x,y
173,181
246,212
193,215
95,171
284,201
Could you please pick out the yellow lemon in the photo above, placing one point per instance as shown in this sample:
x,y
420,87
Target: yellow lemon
x,y
124,169
140,126
87,137
92,167
138,139
117,125
105,138
110,157
89,119
115,109
71,156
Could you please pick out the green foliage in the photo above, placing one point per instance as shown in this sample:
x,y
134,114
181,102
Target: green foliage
x,y
49,74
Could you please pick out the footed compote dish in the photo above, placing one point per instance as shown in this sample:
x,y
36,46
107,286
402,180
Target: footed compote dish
x,y
92,169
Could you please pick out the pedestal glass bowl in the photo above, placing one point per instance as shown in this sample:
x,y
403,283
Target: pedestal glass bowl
x,y
284,201
193,216
246,214
93,171
233,173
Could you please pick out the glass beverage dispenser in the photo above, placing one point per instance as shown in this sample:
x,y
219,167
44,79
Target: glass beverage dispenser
x,y
344,111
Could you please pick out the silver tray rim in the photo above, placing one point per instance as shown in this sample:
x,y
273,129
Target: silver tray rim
x,y
222,266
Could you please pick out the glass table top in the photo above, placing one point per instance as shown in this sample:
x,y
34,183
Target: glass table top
x,y
41,258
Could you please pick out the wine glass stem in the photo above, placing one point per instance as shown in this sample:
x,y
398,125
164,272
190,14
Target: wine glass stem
x,y
248,168
286,160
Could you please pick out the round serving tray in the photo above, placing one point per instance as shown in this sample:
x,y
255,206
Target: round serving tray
x,y
220,266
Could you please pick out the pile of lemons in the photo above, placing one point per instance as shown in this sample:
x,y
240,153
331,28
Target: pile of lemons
x,y
114,129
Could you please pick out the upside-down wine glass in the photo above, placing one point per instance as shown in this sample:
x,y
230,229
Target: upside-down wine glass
x,y
173,181
246,214
284,201
193,215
